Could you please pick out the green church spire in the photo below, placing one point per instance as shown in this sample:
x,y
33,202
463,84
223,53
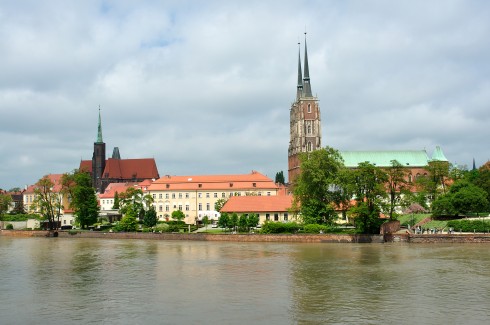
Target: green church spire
x,y
99,130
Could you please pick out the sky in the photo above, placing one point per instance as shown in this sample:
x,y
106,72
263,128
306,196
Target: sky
x,y
205,87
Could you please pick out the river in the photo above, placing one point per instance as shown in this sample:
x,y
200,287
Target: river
x,y
107,281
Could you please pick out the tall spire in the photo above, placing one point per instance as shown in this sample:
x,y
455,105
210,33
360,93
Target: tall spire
x,y
299,91
306,79
99,130
474,165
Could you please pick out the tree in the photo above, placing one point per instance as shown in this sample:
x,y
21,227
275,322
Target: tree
x,y
397,185
224,220
205,221
242,223
233,220
218,205
84,200
133,198
315,189
253,220
463,198
128,221
280,178
116,201
150,218
5,200
178,215
47,201
370,194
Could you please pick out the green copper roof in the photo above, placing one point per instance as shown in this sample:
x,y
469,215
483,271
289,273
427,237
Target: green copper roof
x,y
438,155
416,158
99,130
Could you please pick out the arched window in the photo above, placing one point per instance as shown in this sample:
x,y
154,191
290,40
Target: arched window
x,y
308,146
409,178
309,129
309,108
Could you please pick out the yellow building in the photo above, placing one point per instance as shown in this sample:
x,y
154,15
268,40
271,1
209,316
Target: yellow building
x,y
196,195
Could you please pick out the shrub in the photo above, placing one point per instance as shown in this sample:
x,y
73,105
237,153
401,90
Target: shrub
x,y
469,225
10,226
316,229
279,227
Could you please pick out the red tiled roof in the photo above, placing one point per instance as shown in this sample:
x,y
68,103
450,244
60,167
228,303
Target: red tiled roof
x,y
243,204
143,168
130,168
54,178
112,188
250,181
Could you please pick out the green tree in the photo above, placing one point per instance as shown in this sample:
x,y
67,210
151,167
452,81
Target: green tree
x,y
116,201
218,205
233,220
178,215
5,200
252,220
316,187
370,195
84,200
205,222
224,220
150,218
463,198
242,223
280,178
47,201
128,221
397,185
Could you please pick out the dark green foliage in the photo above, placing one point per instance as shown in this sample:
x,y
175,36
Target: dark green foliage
x,y
128,222
469,225
233,220
280,178
367,220
252,220
9,226
20,217
316,187
242,223
116,201
270,227
84,200
463,198
150,218
224,220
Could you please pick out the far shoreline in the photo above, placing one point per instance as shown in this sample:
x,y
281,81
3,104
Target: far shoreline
x,y
278,238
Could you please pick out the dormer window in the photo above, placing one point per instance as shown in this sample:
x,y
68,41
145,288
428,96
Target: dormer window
x,y
199,185
254,184
231,184
167,185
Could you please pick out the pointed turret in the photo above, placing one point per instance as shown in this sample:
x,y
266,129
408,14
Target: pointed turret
x,y
299,91
438,155
474,164
306,79
99,130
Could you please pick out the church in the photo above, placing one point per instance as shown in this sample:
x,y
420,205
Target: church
x,y
306,135
116,170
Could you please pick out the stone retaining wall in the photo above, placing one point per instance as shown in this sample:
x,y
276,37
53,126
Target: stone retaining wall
x,y
450,238
284,238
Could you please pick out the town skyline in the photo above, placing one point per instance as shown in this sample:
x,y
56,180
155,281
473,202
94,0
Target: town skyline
x,y
203,91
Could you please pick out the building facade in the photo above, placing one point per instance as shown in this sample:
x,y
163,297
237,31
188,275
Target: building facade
x,y
196,195
305,120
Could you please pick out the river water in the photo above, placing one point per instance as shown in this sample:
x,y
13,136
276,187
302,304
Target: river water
x,y
98,281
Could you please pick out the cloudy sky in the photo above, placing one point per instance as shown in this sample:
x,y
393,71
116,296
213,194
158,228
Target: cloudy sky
x,y
205,87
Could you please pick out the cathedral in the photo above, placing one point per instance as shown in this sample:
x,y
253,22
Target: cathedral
x,y
305,126
116,170
306,135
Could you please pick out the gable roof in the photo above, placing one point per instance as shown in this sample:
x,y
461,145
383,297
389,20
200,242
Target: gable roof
x,y
244,204
414,158
54,178
143,168
112,188
252,181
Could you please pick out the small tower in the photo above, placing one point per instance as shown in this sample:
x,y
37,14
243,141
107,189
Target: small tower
x,y
98,159
305,122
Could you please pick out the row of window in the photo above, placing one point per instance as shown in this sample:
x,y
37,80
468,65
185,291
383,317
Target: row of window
x,y
200,195
187,207
276,216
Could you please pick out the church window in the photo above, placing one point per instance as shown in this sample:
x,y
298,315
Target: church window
x,y
308,148
309,129
309,108
410,178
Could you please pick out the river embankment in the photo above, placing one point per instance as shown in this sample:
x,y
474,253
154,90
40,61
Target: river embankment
x,y
280,238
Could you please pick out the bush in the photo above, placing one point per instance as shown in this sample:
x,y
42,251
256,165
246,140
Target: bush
x,y
10,226
279,227
20,217
469,225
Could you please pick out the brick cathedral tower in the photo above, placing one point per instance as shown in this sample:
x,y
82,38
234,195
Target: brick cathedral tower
x,y
98,159
305,127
